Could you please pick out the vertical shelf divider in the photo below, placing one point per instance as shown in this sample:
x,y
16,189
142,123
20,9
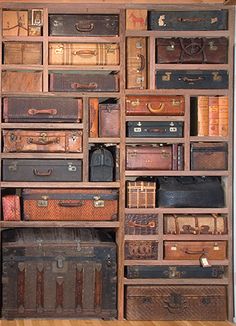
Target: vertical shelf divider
x,y
85,139
45,50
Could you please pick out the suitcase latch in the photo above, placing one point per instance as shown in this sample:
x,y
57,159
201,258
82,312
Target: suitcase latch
x,y
173,273
60,261
166,76
71,167
212,46
216,76
170,47
13,166
43,202
173,129
98,202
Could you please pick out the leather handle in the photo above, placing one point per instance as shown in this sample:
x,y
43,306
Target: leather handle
x,y
91,85
156,110
42,174
71,204
150,224
195,252
87,53
87,28
190,20
142,62
44,111
191,80
42,141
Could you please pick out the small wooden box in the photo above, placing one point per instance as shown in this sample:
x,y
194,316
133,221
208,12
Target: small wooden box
x,y
136,19
141,194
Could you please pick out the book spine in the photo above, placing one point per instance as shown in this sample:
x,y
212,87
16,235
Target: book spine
x,y
223,116
213,116
93,117
174,157
203,115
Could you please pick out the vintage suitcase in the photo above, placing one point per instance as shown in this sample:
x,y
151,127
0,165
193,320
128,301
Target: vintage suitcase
x,y
42,109
15,23
101,165
22,81
42,141
183,302
195,224
190,192
136,19
193,79
11,208
210,20
83,54
109,120
84,25
174,272
192,50
209,156
22,53
93,104
141,194
83,82
63,273
155,129
141,224
141,250
146,157
155,105
192,250
136,65
41,170
70,204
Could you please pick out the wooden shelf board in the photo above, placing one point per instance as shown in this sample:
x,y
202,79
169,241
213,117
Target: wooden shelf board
x,y
22,67
43,155
209,138
172,262
182,66
190,34
181,281
130,173
130,140
176,210
191,92
104,140
82,39
73,185
30,125
68,224
23,38
63,94
178,237
84,67
142,237
154,118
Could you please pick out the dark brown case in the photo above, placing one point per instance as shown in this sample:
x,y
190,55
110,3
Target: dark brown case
x,y
141,224
109,120
141,249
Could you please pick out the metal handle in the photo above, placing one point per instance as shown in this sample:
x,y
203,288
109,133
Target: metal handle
x,y
142,63
42,174
195,252
190,20
91,85
71,204
87,53
44,111
150,224
191,80
43,141
88,28
155,110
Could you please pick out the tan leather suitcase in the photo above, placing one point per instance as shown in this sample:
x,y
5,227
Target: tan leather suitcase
x,y
15,23
136,19
136,63
93,117
22,81
141,194
83,54
23,53
42,141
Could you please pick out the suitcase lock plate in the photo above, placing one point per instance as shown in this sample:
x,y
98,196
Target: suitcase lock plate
x,y
71,167
216,76
166,76
43,202
98,202
13,166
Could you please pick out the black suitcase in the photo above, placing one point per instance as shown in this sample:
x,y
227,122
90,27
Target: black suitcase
x,y
210,20
42,170
174,272
101,165
149,129
194,79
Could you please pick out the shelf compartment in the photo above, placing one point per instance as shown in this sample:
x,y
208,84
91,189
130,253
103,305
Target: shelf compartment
x,y
64,94
195,66
84,67
166,210
130,140
21,67
42,125
198,237
75,184
190,34
208,138
23,38
82,39
43,155
172,262
153,281
68,224
154,118
191,92
131,173
104,140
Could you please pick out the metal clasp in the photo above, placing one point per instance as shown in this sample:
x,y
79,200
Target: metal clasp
x,y
166,76
98,202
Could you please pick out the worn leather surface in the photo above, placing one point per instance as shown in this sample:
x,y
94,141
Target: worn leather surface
x,y
23,53
141,194
11,208
141,224
109,120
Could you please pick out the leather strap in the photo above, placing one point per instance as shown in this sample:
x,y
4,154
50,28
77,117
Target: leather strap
x,y
59,293
79,287
21,287
98,287
40,287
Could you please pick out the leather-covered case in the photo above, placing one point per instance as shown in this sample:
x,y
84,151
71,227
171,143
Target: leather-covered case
x,y
141,249
22,81
141,224
11,208
155,129
23,53
109,120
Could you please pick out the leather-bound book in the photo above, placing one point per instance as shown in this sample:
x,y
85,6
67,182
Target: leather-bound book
x,y
203,115
223,116
213,116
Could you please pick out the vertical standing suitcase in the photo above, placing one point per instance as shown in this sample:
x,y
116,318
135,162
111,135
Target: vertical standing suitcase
x,y
109,120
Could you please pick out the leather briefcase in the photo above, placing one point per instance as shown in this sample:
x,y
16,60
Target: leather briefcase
x,y
63,273
83,25
149,157
192,50
22,81
11,208
209,156
109,120
141,194
195,224
191,79
36,109
42,141
23,53
141,250
83,54
82,82
70,204
178,302
155,105
202,20
141,224
155,129
101,165
41,170
190,192
15,23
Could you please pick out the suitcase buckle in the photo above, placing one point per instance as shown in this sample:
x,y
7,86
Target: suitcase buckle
x,y
43,202
98,202
216,76
71,167
212,46
166,76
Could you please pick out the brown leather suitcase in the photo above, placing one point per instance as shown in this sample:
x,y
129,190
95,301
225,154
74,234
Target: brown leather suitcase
x,y
192,50
15,23
11,208
42,109
42,141
109,120
146,157
192,250
181,302
141,194
155,105
22,81
141,224
83,54
93,117
141,250
70,204
23,53
195,224
209,156
136,64
136,19
63,273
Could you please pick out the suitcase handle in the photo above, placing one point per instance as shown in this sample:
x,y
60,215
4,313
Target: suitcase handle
x,y
156,110
195,252
142,63
191,80
87,53
73,204
150,224
91,85
44,111
43,141
88,28
42,174
192,20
